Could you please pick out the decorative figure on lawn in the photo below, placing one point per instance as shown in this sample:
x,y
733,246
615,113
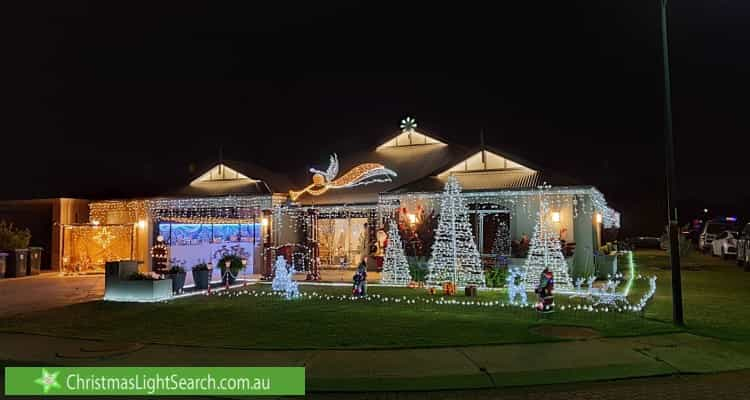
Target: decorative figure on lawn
x,y
516,287
544,291
292,289
362,174
280,275
283,279
359,288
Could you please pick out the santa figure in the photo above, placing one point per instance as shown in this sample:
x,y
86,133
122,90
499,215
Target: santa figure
x,y
544,291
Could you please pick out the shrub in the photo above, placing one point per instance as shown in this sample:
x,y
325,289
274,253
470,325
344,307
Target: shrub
x,y
417,268
495,277
12,238
235,263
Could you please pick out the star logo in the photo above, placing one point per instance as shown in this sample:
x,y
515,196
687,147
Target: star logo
x,y
48,380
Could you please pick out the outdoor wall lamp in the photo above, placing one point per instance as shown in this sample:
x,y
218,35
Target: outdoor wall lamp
x,y
412,218
556,216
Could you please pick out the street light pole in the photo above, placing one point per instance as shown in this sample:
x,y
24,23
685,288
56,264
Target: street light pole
x,y
674,226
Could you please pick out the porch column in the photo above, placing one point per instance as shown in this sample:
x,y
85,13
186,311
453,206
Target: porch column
x,y
583,231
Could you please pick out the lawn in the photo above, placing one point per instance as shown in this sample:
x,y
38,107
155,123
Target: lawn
x,y
714,293
275,323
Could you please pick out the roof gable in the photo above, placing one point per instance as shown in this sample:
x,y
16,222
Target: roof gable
x,y
221,172
409,138
482,161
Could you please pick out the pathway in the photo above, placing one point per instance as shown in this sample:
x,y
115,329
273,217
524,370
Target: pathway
x,y
48,290
476,367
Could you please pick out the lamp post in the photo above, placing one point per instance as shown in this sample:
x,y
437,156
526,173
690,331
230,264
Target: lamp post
x,y
674,227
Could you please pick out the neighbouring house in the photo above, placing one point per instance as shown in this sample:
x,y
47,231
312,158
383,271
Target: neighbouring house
x,y
337,213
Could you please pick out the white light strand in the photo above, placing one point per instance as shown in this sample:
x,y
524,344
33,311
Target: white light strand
x,y
395,267
545,251
442,301
454,254
283,280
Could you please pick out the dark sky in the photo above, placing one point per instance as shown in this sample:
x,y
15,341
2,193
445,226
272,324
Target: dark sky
x,y
115,99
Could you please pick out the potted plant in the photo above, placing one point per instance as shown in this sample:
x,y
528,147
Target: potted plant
x,y
177,274
14,241
201,273
232,264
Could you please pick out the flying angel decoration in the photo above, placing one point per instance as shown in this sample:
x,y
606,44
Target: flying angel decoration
x,y
362,174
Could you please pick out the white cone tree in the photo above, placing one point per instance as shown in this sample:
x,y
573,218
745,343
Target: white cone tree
x,y
395,266
545,251
281,277
454,254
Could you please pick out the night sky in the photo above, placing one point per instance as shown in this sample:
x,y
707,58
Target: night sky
x,y
106,99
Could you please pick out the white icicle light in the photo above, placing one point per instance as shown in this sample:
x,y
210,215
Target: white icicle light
x,y
454,254
395,266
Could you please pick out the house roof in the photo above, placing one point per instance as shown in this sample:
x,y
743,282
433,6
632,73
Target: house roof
x,y
235,178
517,174
426,167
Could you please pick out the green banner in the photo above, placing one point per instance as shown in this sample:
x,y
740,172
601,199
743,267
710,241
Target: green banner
x,y
154,381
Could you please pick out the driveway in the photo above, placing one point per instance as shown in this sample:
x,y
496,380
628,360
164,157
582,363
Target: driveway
x,y
45,291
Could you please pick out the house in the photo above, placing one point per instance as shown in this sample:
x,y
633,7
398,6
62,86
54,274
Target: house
x,y
336,215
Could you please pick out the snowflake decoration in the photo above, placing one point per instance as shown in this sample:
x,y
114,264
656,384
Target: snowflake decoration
x,y
408,124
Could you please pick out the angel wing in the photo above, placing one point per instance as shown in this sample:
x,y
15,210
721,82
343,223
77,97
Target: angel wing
x,y
333,167
332,171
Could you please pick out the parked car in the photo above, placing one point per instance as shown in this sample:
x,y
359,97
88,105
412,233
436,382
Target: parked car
x,y
725,244
743,246
711,230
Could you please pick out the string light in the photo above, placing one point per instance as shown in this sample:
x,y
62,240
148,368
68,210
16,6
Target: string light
x,y
545,250
362,174
395,266
447,302
454,254
283,279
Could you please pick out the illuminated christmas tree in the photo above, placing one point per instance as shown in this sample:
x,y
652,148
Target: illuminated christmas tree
x,y
454,254
545,251
283,279
501,245
395,266
280,275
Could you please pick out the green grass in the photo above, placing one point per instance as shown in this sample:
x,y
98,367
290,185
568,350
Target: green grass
x,y
714,293
275,323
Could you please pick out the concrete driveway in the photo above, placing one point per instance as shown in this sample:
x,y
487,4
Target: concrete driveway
x,y
45,291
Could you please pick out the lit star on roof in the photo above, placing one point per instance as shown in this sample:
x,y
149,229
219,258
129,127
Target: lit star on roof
x,y
408,124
